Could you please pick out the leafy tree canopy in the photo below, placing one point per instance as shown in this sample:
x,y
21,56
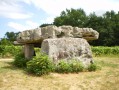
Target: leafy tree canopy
x,y
107,25
74,17
8,38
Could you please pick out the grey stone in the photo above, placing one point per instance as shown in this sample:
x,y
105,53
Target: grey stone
x,y
30,36
48,32
39,34
29,51
86,33
67,49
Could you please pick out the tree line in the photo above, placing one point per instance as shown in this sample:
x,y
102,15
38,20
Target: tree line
x,y
9,38
107,25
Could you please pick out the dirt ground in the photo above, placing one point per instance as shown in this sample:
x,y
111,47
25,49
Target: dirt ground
x,y
107,78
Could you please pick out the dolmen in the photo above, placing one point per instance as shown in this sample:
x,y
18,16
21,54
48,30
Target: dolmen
x,y
59,43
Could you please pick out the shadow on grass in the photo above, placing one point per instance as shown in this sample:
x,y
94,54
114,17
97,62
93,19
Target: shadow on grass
x,y
10,66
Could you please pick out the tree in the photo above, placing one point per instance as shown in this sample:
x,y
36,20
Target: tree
x,y
116,29
106,26
11,36
96,22
4,42
73,17
44,25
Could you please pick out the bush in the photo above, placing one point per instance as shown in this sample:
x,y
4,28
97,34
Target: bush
x,y
76,66
40,65
1,50
63,67
20,60
101,50
67,67
9,51
93,67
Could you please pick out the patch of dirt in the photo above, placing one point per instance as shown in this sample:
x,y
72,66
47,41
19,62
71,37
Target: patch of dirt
x,y
6,59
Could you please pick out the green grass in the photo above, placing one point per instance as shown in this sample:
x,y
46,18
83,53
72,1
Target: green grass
x,y
108,64
12,78
101,50
10,51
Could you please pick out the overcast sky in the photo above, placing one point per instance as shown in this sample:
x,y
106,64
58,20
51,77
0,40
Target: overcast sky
x,y
19,15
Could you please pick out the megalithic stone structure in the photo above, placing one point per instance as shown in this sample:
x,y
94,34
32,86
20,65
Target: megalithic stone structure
x,y
63,42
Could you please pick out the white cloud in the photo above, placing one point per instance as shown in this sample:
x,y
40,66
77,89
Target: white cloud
x,y
15,15
32,24
15,10
54,7
12,9
48,20
20,27
26,1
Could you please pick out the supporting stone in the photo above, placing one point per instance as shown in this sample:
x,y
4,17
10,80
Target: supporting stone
x,y
29,51
67,49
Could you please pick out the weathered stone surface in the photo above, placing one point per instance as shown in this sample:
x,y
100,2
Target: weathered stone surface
x,y
49,32
39,34
29,50
67,48
17,43
86,33
30,36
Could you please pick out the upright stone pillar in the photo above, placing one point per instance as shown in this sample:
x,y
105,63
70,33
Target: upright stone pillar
x,y
29,51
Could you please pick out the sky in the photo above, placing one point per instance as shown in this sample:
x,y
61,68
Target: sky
x,y
20,15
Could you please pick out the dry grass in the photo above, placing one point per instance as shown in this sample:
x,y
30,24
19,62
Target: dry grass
x,y
12,78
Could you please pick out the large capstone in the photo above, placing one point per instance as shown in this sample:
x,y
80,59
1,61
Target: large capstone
x,y
67,49
39,34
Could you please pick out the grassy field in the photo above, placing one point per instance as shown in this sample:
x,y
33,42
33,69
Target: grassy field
x,y
12,78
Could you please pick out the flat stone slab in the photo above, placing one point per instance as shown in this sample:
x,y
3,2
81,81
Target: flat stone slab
x,y
39,34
